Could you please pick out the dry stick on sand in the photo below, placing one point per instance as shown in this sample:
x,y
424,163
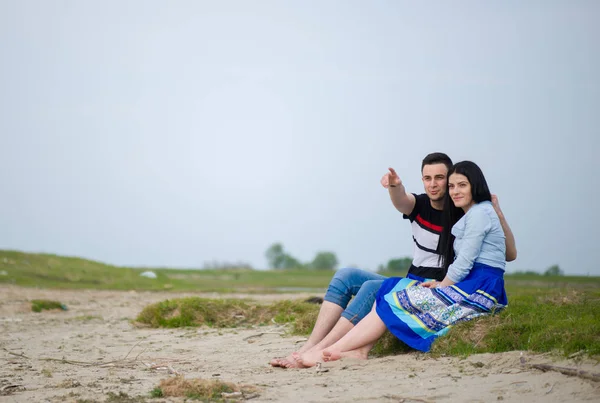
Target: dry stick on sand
x,y
564,370
83,363
122,362
406,399
260,334
8,389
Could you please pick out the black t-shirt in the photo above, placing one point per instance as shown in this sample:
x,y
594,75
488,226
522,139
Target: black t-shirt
x,y
426,223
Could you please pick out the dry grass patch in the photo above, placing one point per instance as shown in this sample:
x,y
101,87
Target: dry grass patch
x,y
304,323
203,389
568,297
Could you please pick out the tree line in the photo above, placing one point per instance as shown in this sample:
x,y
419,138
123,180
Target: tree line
x,y
279,259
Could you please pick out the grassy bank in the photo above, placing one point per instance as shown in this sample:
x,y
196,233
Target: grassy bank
x,y
560,322
51,271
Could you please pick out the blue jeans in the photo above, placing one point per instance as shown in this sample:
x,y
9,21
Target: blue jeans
x,y
361,284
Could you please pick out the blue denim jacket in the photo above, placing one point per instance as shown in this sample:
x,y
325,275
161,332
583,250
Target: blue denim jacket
x,y
479,238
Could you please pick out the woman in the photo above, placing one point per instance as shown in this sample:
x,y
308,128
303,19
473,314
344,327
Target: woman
x,y
473,251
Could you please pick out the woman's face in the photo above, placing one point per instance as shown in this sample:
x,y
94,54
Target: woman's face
x,y
459,189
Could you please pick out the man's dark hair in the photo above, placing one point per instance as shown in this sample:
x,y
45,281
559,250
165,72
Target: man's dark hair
x,y
437,158
479,191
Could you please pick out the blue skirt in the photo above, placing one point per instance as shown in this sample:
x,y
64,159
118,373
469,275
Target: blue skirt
x,y
418,315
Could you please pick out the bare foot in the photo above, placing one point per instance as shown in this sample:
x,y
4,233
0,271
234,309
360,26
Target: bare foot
x,y
309,358
284,362
276,362
291,361
330,355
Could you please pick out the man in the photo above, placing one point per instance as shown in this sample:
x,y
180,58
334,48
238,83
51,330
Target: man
x,y
338,315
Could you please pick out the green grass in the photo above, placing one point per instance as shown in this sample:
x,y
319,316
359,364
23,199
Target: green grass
x,y
156,392
39,305
560,321
227,313
51,271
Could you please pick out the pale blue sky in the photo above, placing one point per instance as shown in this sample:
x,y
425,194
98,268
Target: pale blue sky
x,y
174,133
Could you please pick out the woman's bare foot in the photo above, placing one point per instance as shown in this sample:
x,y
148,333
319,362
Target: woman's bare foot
x,y
309,358
331,355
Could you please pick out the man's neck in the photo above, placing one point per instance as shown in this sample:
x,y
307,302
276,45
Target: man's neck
x,y
437,204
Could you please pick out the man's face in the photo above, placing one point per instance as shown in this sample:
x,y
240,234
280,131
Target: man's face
x,y
435,177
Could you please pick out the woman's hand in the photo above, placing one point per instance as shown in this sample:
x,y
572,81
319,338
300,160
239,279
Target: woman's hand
x,y
430,284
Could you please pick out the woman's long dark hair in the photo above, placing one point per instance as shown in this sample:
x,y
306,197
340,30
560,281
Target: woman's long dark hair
x,y
479,191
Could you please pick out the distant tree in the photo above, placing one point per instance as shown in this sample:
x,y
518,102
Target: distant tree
x,y
324,261
290,262
275,256
399,265
279,260
553,270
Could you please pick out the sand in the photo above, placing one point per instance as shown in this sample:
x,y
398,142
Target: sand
x,y
106,355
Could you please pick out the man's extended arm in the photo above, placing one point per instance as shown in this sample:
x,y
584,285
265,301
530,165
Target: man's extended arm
x,y
511,246
404,202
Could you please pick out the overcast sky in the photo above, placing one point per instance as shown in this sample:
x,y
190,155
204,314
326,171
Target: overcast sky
x,y
155,133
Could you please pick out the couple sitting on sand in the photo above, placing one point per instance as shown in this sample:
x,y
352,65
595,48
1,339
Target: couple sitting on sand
x,y
462,243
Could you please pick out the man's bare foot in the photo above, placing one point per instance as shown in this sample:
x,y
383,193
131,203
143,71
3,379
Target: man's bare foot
x,y
284,362
309,358
292,361
331,355
276,362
